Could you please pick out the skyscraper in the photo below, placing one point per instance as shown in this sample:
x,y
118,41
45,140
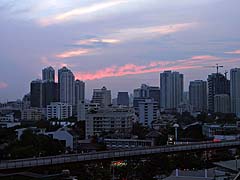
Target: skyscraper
x,y
198,95
102,97
66,82
217,84
235,90
79,91
36,93
222,103
123,98
171,90
48,74
50,93
80,99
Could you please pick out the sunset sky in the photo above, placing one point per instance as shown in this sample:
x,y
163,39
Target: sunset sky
x,y
119,44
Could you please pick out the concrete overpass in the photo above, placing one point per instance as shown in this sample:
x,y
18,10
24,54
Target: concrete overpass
x,y
73,158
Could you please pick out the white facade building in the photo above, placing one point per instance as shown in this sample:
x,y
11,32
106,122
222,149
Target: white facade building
x,y
148,112
59,110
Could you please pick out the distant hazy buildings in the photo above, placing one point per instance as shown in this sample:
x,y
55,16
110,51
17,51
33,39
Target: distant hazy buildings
x,y
222,103
148,112
59,110
235,91
48,74
36,93
102,97
147,92
217,84
198,95
171,89
66,82
123,99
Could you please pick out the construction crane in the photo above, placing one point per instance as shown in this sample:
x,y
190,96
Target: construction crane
x,y
217,67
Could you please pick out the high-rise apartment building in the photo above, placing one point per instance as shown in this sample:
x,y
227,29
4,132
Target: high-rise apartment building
x,y
235,91
217,84
36,93
79,91
222,103
66,82
50,93
198,95
102,97
80,99
48,74
123,99
171,90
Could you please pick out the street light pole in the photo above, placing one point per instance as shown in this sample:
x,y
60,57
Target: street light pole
x,y
176,126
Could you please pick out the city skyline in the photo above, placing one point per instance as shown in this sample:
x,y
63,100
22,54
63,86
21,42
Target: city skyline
x,y
182,36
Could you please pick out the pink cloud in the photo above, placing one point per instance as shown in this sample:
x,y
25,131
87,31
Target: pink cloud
x,y
3,85
73,53
195,62
233,52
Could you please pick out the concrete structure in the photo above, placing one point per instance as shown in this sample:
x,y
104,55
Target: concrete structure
x,y
217,84
59,110
66,82
48,74
148,112
222,103
220,131
36,93
198,95
171,89
112,119
127,143
123,99
73,158
235,91
33,114
102,97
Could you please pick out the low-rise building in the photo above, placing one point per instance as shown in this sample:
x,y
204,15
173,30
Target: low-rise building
x,y
221,131
111,119
33,114
66,136
8,121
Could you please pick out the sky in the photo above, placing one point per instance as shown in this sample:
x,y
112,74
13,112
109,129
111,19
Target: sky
x,y
119,44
